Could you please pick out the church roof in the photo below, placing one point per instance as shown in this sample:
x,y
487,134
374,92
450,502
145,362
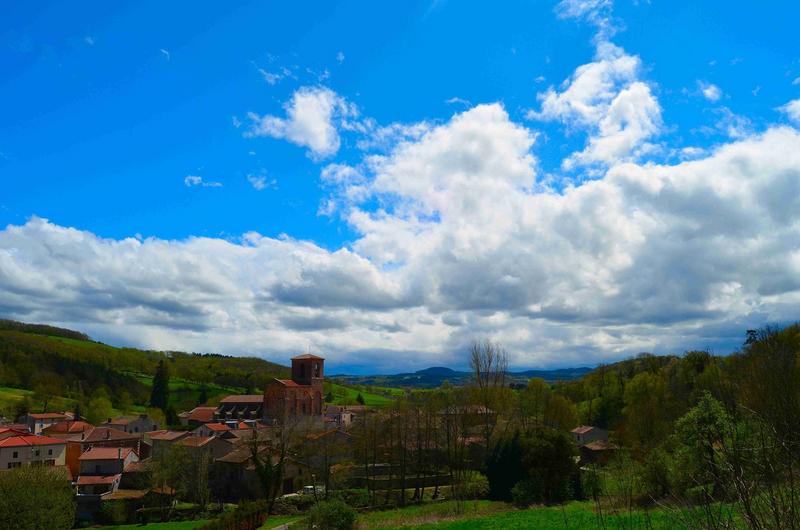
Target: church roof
x,y
308,356
288,382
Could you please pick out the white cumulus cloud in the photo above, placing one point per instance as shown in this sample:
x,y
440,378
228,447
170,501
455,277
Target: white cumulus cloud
x,y
312,117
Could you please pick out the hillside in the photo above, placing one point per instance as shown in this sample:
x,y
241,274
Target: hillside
x,y
59,368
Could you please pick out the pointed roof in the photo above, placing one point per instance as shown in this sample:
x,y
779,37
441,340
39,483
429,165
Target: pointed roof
x,y
102,434
307,356
106,453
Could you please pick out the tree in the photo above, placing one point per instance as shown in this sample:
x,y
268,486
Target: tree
x,y
99,410
560,413
329,397
203,397
548,459
503,468
532,402
489,364
36,498
332,515
360,399
124,401
159,396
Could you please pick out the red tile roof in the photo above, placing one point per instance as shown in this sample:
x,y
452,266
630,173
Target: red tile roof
x,y
29,440
106,453
88,480
49,416
100,434
583,429
600,445
247,398
195,441
288,382
68,427
308,356
5,432
217,427
18,427
168,435
202,414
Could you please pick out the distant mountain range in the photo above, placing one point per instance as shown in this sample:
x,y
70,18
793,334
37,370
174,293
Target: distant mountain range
x,y
436,375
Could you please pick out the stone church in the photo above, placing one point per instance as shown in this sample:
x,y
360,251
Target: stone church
x,y
283,399
299,396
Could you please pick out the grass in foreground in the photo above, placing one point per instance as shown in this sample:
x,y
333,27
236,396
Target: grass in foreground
x,y
487,515
176,525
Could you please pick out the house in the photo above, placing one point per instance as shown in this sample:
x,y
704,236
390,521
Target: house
x,y
8,431
300,396
132,424
340,416
324,449
18,448
100,437
246,407
37,422
161,441
597,452
67,429
215,446
101,469
586,434
236,477
198,416
211,429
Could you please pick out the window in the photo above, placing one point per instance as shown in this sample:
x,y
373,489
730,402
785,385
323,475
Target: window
x,y
97,468
49,452
15,454
316,369
37,452
302,371
12,465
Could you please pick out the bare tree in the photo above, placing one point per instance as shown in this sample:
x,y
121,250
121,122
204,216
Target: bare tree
x,y
489,364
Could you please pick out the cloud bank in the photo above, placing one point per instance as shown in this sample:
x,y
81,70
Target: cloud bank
x,y
465,244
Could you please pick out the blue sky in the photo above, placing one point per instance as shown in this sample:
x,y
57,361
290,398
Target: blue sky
x,y
169,123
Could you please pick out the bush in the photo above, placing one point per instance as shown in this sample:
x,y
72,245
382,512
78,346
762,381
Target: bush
x,y
474,486
526,492
332,515
357,498
36,497
247,516
656,474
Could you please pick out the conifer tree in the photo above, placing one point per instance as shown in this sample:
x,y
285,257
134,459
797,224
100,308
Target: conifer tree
x,y
159,396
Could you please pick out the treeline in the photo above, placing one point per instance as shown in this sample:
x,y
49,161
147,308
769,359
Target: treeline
x,y
713,439
42,329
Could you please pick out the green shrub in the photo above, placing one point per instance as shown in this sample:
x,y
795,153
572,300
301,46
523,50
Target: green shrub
x,y
356,497
332,515
526,492
474,486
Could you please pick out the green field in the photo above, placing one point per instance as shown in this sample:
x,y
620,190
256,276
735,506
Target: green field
x,y
488,515
10,396
183,394
373,396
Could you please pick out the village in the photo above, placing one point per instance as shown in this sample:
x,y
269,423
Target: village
x,y
289,426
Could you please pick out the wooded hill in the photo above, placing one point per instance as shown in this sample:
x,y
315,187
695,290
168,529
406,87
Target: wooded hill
x,y
66,366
